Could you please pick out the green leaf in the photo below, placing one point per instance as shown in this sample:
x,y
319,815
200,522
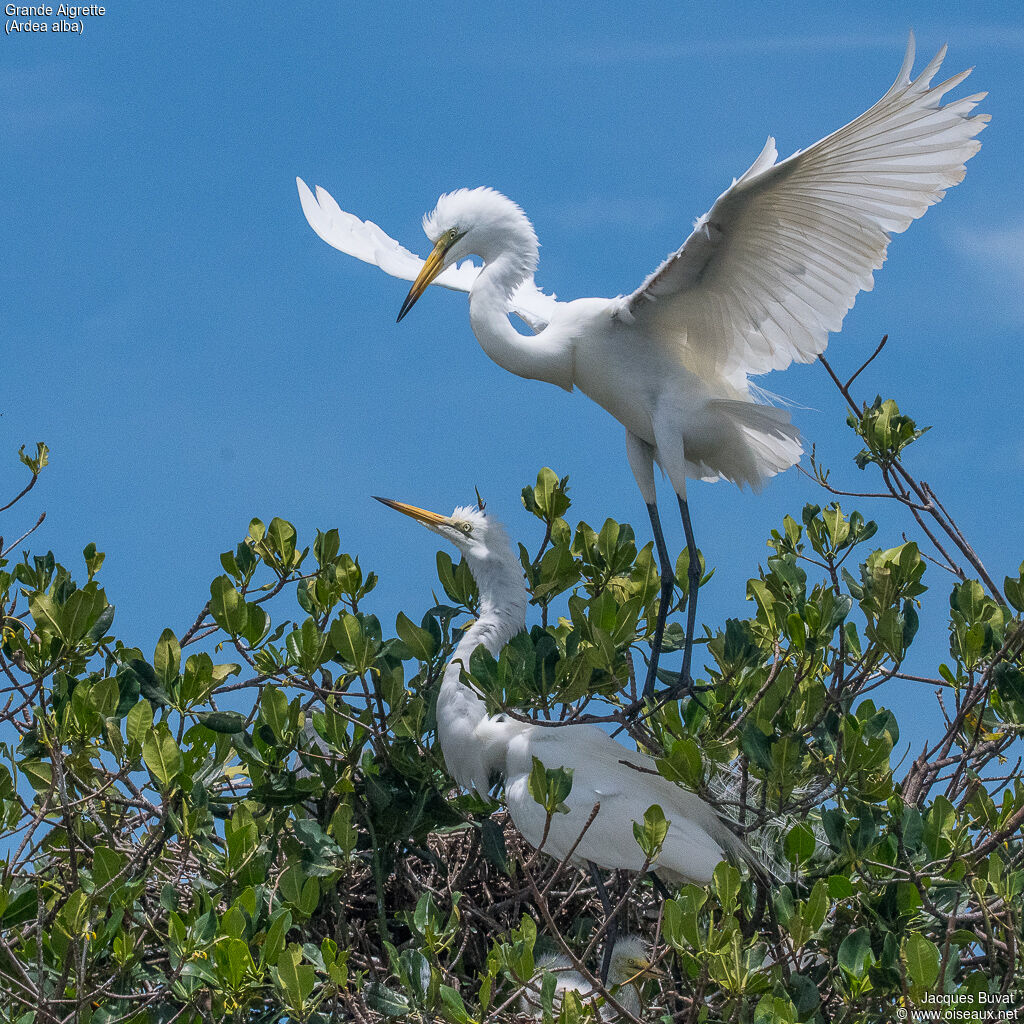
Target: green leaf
x,y
816,906
233,954
492,842
274,708
227,606
103,696
274,943
683,763
322,855
805,995
345,834
257,624
454,1009
35,462
21,907
681,918
326,546
197,680
800,843
81,611
106,864
774,1010
921,956
1014,590
73,619
420,641
128,689
548,500
385,1000
550,786
309,898
232,923
281,537
353,642
651,835
756,745
162,756
98,630
855,953
297,979
307,647
149,685
139,722
908,898
227,722
167,659
242,839
839,887
726,881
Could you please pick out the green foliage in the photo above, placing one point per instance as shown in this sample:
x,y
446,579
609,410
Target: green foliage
x,y
550,786
886,432
252,820
650,836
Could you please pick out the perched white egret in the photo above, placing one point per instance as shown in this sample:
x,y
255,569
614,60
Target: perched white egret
x,y
766,274
479,749
630,962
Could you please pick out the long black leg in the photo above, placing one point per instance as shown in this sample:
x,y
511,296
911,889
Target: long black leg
x,y
662,891
610,928
693,578
667,584
660,886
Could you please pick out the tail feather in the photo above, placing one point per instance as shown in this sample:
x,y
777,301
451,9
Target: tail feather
x,y
767,442
761,851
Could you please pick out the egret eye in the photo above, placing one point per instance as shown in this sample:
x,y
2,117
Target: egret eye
x,y
465,528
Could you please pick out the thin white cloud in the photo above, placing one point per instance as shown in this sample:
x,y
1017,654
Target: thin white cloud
x,y
613,213
627,51
642,50
999,250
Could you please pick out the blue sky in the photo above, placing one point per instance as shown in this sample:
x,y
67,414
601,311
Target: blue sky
x,y
194,355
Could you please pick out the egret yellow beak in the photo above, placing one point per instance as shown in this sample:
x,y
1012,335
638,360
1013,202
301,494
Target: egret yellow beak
x,y
421,515
647,970
433,266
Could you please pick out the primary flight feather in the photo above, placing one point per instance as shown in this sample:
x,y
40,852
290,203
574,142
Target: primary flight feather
x,y
766,274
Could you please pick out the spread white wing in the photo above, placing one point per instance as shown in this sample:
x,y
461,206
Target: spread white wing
x,y
777,262
367,242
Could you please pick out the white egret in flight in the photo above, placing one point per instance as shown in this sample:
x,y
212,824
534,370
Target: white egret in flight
x,y
479,748
767,273
629,963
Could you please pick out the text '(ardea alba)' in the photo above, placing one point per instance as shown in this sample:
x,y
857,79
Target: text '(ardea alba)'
x,y
767,273
478,748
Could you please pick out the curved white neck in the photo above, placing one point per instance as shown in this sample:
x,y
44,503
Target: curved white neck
x,y
538,357
474,744
502,616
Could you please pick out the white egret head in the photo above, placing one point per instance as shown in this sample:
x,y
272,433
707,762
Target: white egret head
x,y
474,221
630,964
631,961
484,543
468,528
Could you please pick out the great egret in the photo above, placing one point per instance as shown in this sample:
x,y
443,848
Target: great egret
x,y
479,748
765,275
630,961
